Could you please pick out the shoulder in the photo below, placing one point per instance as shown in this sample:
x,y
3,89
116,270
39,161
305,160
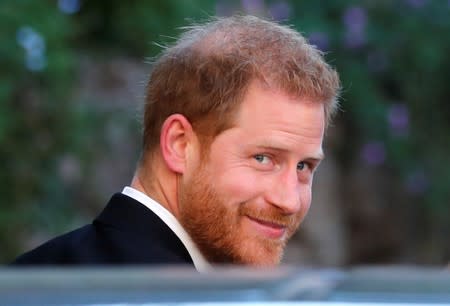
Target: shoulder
x,y
59,250
125,232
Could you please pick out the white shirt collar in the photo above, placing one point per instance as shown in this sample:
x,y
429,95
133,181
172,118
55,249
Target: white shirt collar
x,y
200,262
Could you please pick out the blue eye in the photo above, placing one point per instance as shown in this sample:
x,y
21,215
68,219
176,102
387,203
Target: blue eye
x,y
301,166
261,158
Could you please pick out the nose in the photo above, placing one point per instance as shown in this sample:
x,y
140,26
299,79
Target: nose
x,y
285,192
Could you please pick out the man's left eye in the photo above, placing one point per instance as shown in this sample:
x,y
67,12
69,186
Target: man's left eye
x,y
262,159
301,166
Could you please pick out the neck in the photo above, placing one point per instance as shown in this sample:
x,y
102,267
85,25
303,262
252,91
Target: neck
x,y
158,183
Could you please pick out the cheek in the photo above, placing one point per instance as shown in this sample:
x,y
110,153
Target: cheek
x,y
305,198
239,185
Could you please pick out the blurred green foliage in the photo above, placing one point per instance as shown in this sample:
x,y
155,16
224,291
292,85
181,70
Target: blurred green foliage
x,y
41,128
392,57
36,123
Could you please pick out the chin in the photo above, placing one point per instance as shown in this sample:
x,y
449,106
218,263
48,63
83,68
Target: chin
x,y
266,255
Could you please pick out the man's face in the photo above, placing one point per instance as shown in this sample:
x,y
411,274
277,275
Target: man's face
x,y
243,200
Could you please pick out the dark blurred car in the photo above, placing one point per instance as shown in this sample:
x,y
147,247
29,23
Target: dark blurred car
x,y
224,286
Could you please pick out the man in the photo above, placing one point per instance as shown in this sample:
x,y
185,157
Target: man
x,y
234,121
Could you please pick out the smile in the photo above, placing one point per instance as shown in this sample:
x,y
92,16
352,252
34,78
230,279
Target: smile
x,y
268,229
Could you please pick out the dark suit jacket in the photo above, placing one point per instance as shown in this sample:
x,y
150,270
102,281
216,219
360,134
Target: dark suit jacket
x,y
126,232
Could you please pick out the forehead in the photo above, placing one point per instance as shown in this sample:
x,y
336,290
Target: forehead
x,y
271,120
264,108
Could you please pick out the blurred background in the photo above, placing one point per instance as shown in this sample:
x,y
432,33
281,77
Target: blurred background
x,y
72,77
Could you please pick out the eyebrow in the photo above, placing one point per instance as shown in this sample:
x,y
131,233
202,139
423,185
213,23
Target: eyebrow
x,y
316,158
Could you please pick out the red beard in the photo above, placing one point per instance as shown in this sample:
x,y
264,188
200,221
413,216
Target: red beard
x,y
216,226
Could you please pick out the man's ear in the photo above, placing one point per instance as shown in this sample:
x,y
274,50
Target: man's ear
x,y
176,134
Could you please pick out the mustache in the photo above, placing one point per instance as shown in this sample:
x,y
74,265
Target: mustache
x,y
270,215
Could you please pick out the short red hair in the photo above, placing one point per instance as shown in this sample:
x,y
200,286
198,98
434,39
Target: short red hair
x,y
204,76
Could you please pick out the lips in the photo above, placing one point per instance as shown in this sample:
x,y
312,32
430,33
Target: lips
x,y
268,229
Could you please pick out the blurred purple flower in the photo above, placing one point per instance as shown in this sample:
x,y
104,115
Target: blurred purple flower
x,y
355,22
69,6
253,6
320,40
416,4
224,8
280,10
398,118
373,153
417,183
355,19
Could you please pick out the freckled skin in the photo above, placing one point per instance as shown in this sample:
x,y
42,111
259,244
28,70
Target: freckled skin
x,y
244,201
